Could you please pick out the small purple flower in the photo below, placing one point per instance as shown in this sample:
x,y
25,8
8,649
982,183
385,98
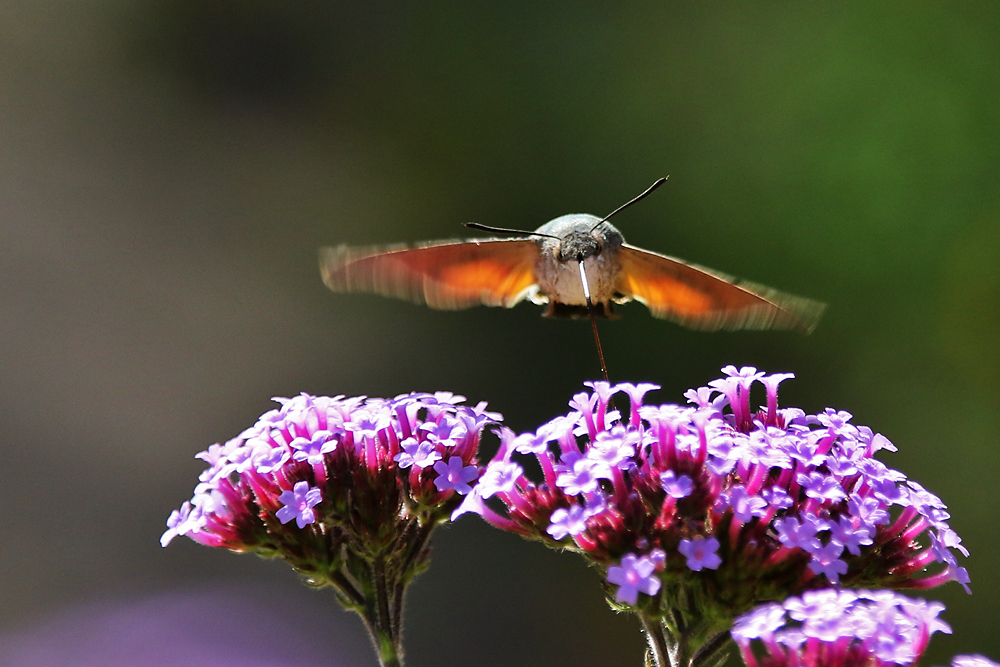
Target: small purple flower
x,y
700,553
826,561
312,449
676,486
583,402
582,477
500,477
822,487
633,576
269,460
531,443
636,392
217,452
869,511
777,497
841,467
745,507
771,383
850,534
572,521
602,390
444,431
365,424
613,448
448,397
748,374
950,539
177,524
418,454
298,504
701,397
454,475
802,534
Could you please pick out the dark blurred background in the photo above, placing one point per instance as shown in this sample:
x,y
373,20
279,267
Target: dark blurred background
x,y
168,169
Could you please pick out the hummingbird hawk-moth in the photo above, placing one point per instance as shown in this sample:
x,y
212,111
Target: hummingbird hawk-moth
x,y
577,264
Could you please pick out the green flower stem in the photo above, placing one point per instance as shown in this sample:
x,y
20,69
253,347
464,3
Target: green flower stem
x,y
679,650
658,645
386,619
378,599
713,652
675,647
389,654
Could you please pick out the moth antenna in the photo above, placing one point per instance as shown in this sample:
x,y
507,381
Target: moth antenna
x,y
593,324
504,230
648,191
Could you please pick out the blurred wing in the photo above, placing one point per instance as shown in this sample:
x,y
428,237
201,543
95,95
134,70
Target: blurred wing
x,y
448,275
701,298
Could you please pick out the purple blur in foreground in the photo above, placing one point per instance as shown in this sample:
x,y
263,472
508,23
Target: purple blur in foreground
x,y
747,506
838,628
209,626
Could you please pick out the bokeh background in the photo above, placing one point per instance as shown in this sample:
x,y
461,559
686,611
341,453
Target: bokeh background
x,y
168,169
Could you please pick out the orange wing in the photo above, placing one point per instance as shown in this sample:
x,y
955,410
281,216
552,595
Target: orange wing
x,y
701,298
448,275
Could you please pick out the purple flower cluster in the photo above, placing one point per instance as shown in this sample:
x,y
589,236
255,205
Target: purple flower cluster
x,y
760,504
321,473
839,628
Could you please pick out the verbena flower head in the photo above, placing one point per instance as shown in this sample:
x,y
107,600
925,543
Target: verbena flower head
x,y
725,507
321,480
838,628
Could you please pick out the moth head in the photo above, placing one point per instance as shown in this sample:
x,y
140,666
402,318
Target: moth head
x,y
575,237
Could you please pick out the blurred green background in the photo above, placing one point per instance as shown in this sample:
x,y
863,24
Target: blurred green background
x,y
168,169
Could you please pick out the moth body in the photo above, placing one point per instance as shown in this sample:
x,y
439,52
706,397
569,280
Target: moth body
x,y
579,237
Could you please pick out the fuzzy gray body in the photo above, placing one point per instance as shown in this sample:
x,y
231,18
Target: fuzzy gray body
x,y
558,270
